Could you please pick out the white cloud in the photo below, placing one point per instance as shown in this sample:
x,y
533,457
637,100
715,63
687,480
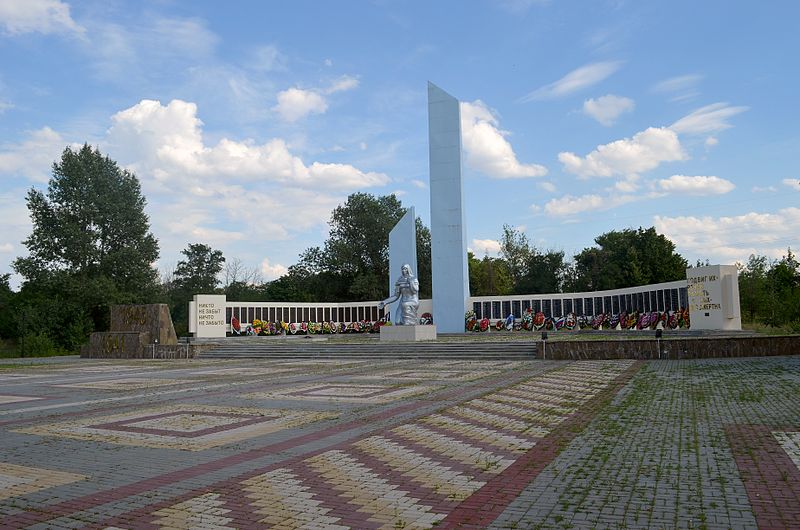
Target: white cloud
x,y
764,189
606,109
135,52
16,226
226,193
629,156
38,16
296,103
33,157
734,238
487,147
547,186
629,185
710,142
167,143
419,184
709,119
482,247
267,59
792,183
576,80
272,271
344,83
569,205
5,105
681,88
696,185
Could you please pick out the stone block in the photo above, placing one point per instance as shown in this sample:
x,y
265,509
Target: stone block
x,y
152,319
117,345
407,333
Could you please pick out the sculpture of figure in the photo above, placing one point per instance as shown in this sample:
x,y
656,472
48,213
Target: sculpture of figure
x,y
406,289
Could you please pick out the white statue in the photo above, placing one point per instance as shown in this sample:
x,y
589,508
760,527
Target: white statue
x,y
406,289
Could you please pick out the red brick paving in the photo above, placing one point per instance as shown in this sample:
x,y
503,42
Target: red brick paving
x,y
771,478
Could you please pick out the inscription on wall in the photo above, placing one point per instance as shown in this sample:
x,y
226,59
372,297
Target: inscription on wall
x,y
700,297
210,315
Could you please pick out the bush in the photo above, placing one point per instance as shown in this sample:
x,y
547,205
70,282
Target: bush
x,y
37,345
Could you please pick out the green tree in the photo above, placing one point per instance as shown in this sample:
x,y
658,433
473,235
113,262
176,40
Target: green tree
x,y
353,264
516,250
531,271
91,223
90,247
544,273
783,287
628,258
489,276
7,322
198,273
297,285
753,293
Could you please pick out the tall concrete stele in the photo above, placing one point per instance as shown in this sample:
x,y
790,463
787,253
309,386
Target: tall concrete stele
x,y
448,230
402,250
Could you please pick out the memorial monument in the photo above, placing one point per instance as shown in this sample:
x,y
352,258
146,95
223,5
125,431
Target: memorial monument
x,y
450,276
406,290
402,250
407,326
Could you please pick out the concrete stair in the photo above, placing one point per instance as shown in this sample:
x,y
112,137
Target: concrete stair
x,y
324,349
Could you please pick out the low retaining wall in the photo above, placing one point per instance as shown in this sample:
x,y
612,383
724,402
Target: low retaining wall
x,y
115,345
673,348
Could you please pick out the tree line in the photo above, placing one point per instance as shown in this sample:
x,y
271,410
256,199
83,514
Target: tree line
x,y
91,247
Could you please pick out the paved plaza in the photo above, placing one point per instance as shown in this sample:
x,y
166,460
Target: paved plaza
x,y
400,444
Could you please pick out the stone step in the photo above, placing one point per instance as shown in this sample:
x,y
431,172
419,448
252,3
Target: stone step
x,y
406,350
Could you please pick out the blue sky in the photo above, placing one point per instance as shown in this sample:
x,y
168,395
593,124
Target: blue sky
x,y
247,122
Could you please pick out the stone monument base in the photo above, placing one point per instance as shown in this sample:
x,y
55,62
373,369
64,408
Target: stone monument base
x,y
407,333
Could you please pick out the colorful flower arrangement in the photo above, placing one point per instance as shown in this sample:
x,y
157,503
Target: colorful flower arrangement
x,y
529,321
537,321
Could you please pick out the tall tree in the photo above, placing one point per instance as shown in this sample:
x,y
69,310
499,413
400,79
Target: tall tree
x,y
753,294
7,324
198,273
544,273
515,248
628,258
489,276
90,247
783,286
531,271
91,223
353,264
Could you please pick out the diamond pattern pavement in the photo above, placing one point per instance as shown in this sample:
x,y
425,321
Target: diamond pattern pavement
x,y
403,444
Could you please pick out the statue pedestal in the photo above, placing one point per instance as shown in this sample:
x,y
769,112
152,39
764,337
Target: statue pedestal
x,y
407,333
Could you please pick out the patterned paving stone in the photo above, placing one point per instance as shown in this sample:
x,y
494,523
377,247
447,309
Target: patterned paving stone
x,y
409,444
16,480
352,393
122,385
6,399
190,427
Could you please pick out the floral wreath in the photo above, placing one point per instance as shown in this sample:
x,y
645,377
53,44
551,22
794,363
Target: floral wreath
x,y
527,320
538,321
